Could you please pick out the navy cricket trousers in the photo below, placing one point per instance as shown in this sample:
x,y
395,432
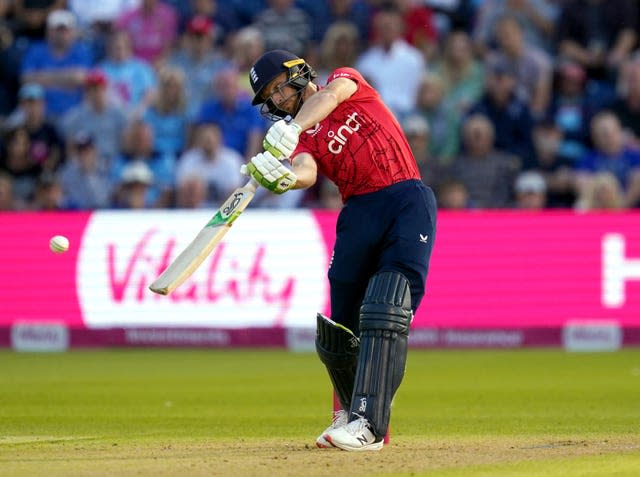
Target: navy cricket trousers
x,y
390,229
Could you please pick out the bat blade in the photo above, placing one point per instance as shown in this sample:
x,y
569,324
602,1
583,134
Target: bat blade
x,y
203,244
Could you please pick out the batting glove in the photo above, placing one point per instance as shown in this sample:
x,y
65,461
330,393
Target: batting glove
x,y
282,138
270,173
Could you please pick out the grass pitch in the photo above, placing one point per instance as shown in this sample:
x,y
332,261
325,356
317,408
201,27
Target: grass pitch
x,y
257,413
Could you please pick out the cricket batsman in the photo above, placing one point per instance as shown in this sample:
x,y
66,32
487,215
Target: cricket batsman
x,y
384,235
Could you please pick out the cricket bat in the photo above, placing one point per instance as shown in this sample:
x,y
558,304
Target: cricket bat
x,y
202,245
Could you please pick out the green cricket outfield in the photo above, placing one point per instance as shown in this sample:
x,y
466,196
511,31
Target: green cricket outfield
x,y
143,412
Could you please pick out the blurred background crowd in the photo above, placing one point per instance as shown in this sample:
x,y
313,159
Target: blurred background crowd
x,y
146,103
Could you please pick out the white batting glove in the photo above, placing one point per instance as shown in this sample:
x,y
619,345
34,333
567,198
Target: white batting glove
x,y
270,173
282,138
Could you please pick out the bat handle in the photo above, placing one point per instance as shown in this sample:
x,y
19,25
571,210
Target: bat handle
x,y
252,185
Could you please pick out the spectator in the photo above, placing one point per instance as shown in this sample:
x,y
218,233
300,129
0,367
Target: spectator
x,y
487,174
222,16
191,192
283,25
31,16
247,10
611,154
241,125
339,48
418,133
84,177
537,18
626,106
443,121
556,169
530,191
132,81
97,116
46,145
398,80
59,64
603,192
217,164
329,12
7,200
247,45
532,65
462,74
420,30
167,115
452,195
510,116
200,62
152,27
134,186
138,148
10,58
597,35
48,193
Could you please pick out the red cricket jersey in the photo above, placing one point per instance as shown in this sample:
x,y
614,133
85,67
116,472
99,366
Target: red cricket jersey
x,y
360,146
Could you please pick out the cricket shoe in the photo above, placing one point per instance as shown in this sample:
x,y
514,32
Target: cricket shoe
x,y
355,436
340,418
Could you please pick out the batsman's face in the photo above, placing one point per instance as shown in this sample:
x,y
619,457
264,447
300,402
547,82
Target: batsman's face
x,y
281,94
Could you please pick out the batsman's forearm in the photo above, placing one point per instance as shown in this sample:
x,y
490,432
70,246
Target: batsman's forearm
x,y
316,108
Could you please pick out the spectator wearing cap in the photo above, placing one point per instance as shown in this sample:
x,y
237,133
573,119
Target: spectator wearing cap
x,y
138,146
217,164
200,62
404,65
47,147
530,191
134,186
98,116
152,27
84,177
486,173
132,80
241,125
532,65
59,64
510,116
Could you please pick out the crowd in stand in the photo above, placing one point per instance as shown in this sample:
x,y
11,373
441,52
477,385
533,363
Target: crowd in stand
x,y
146,103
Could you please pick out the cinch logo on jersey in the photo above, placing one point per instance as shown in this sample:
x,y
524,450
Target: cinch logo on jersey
x,y
340,137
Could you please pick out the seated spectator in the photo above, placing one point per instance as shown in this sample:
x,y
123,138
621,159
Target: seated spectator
x,y
443,121
59,64
132,81
241,125
461,72
48,193
16,160
7,200
598,35
420,29
329,12
532,65
152,27
452,195
339,48
209,159
556,170
626,106
97,116
487,174
602,192
530,191
611,154
510,116
397,81
247,10
134,186
222,15
84,177
200,62
138,147
191,192
11,53
247,45
167,115
537,17
30,16
284,26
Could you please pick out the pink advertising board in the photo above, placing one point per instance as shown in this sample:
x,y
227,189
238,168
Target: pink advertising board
x,y
490,271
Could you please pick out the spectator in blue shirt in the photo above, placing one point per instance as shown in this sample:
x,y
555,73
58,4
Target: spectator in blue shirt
x,y
59,64
241,124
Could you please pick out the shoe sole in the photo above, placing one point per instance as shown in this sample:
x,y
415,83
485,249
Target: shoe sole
x,y
322,443
376,446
